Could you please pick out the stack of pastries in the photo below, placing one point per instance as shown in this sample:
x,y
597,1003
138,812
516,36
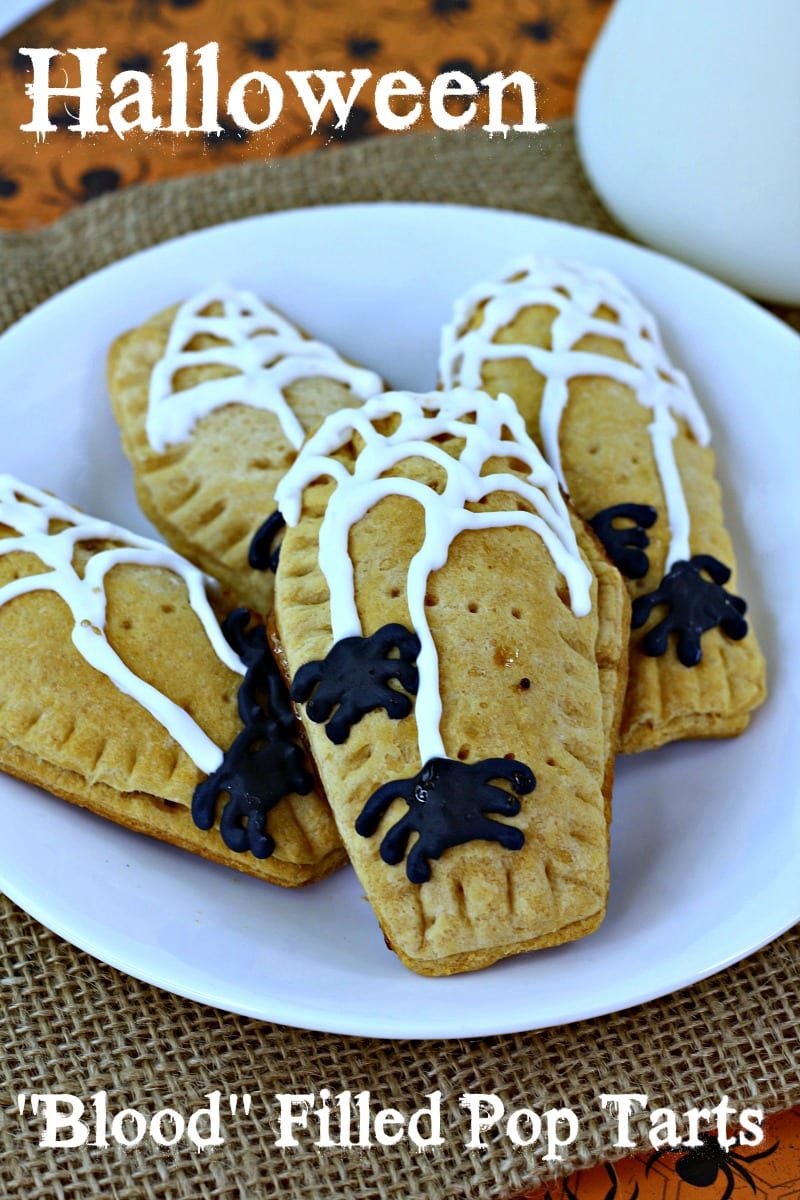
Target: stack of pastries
x,y
408,630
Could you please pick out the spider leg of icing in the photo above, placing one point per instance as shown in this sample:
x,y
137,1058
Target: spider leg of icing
x,y
396,704
235,628
518,775
625,545
238,838
393,846
204,801
508,836
643,606
712,566
305,681
657,640
263,554
689,650
405,673
373,811
389,636
418,867
495,800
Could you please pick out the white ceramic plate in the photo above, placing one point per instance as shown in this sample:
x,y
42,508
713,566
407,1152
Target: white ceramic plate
x,y
706,837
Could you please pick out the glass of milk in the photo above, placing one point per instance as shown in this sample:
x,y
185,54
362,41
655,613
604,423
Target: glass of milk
x,y
688,124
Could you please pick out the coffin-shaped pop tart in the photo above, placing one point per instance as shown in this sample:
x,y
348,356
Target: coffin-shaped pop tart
x,y
628,441
213,398
459,668
120,692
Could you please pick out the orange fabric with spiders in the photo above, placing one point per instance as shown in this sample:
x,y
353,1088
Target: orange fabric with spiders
x,y
38,182
770,1171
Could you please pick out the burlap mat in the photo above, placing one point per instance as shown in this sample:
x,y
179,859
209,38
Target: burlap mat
x,y
76,1026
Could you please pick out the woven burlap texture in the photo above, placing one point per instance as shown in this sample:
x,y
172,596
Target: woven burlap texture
x,y
71,1024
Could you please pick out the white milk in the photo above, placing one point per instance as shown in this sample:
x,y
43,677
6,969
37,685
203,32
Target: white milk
x,y
688,123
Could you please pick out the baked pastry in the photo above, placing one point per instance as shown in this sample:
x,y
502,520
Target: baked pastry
x,y
627,438
459,670
213,398
119,692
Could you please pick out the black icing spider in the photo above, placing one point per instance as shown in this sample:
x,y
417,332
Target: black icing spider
x,y
264,554
695,604
700,1165
258,770
611,1194
447,802
354,677
625,545
263,765
262,691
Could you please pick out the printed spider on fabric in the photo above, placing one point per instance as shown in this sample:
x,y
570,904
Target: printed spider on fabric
x,y
611,1194
700,1165
97,181
625,544
160,12
447,806
264,554
355,678
263,764
228,133
695,604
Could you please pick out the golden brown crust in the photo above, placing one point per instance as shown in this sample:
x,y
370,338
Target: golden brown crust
x,y
66,727
607,458
209,495
520,676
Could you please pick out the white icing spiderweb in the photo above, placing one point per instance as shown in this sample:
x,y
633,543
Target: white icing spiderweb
x,y
481,422
30,514
576,292
266,352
